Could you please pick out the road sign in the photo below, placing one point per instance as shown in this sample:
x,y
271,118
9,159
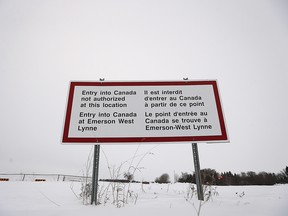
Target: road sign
x,y
160,111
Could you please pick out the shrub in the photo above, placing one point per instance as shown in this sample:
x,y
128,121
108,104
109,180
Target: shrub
x,y
164,178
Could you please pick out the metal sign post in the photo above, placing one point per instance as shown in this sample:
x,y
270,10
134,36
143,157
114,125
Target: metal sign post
x,y
95,174
197,171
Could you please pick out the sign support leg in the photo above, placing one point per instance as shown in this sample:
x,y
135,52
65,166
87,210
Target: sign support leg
x,y
197,171
95,174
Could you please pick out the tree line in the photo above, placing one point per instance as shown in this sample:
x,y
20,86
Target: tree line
x,y
212,177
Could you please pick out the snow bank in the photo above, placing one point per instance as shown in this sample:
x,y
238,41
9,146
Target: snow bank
x,y
58,198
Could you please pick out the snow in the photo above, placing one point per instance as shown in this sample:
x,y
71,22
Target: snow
x,y
59,198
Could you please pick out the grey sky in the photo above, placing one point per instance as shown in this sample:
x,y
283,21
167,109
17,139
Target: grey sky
x,y
46,44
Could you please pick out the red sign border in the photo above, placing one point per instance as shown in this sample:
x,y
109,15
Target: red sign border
x,y
218,138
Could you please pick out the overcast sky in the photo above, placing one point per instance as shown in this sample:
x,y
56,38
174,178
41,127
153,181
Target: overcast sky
x,y
46,44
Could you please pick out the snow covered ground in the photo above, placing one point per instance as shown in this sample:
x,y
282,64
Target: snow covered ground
x,y
57,198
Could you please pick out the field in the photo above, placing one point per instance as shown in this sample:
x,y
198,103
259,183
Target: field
x,y
62,198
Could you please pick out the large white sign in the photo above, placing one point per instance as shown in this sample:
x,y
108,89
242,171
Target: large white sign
x,y
109,112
